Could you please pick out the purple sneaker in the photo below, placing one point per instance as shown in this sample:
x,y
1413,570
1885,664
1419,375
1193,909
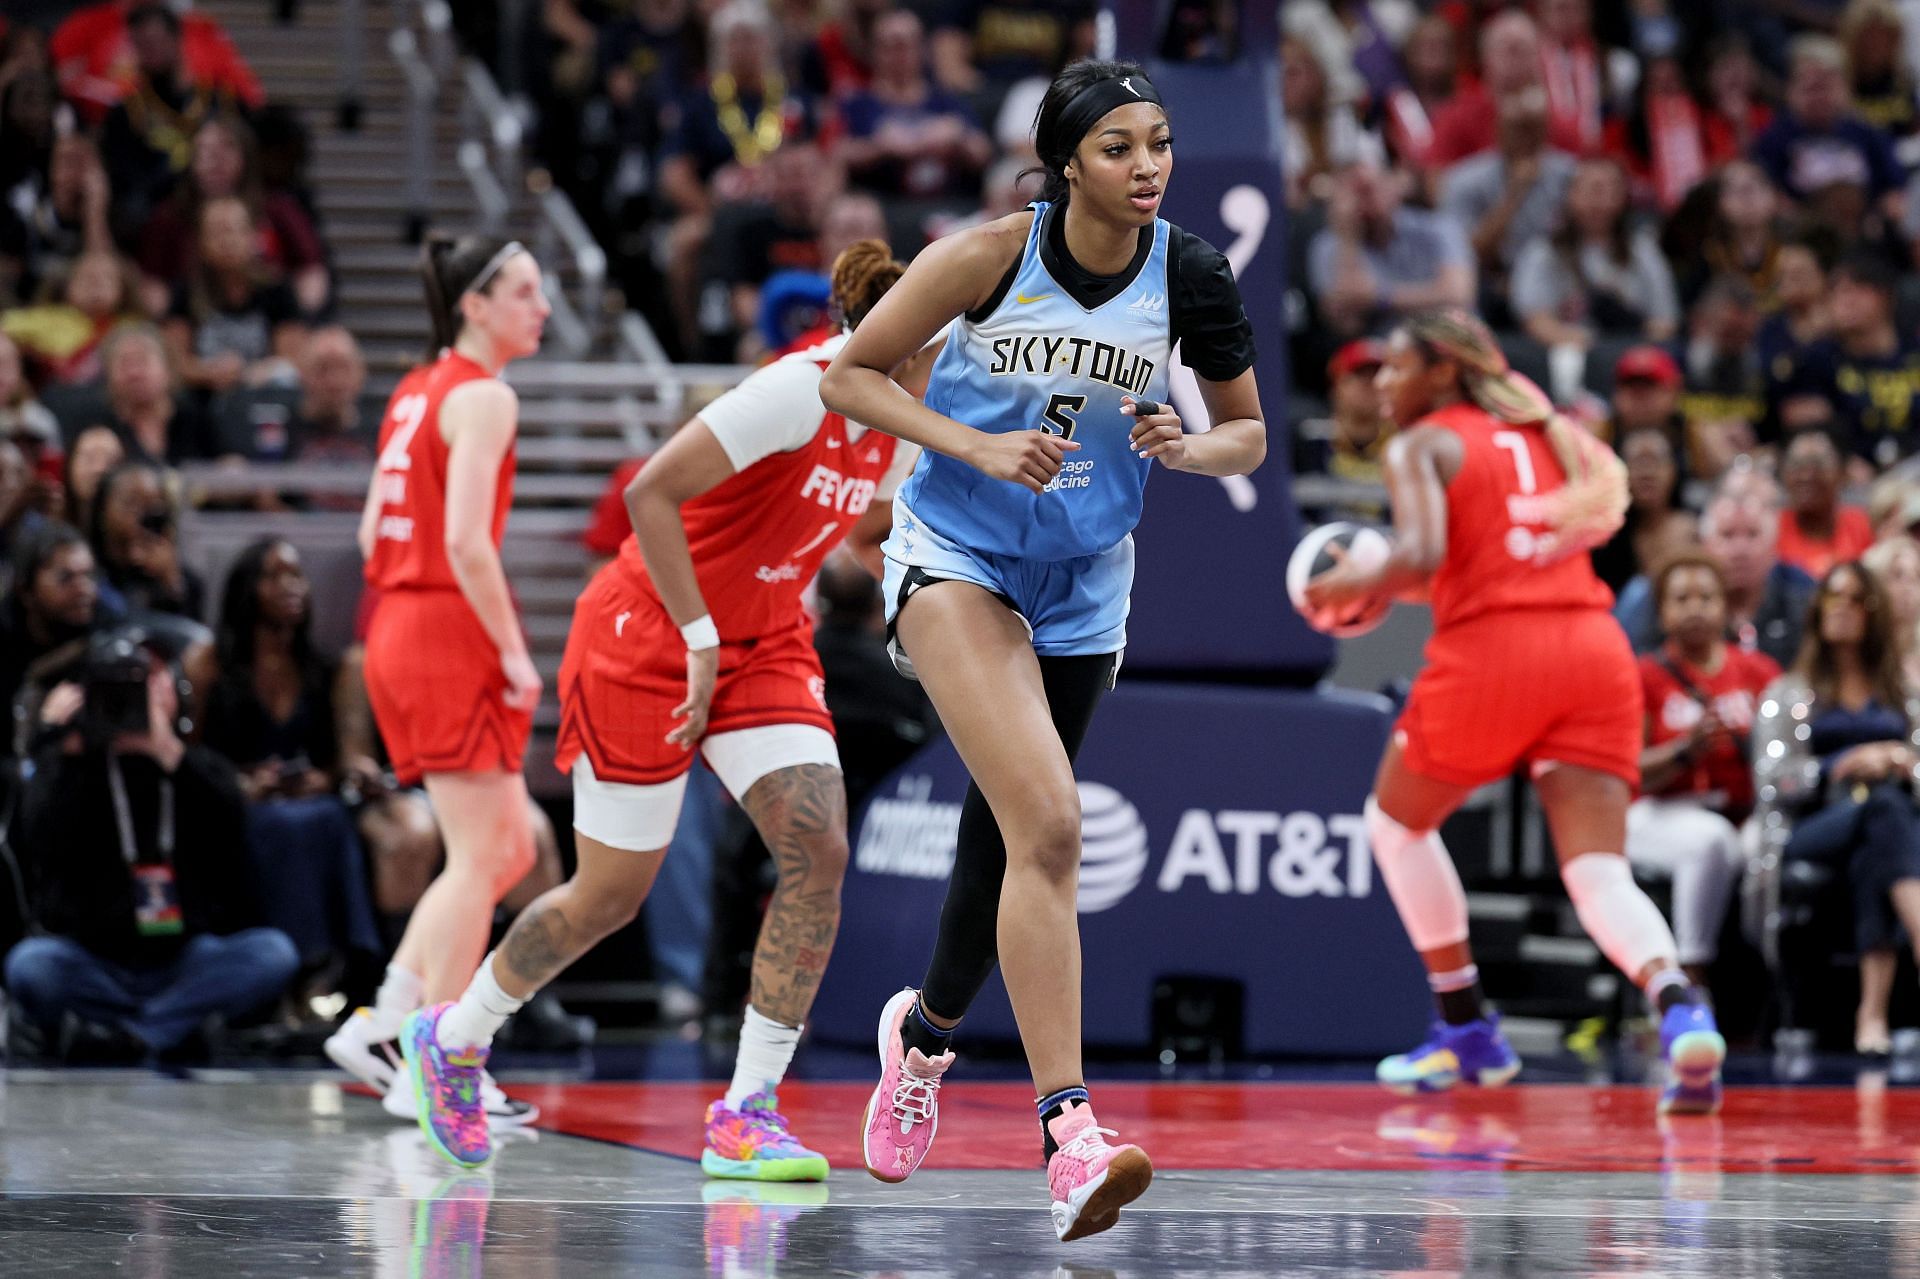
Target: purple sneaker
x,y
1691,1043
447,1086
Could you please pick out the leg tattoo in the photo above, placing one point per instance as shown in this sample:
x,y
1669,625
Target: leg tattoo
x,y
541,943
801,813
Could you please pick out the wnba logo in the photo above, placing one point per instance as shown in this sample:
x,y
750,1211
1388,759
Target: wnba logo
x,y
1113,848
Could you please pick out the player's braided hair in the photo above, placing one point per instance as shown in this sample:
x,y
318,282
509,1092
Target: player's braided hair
x,y
862,274
1591,506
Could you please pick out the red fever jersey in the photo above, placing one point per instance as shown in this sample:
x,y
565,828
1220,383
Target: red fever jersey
x,y
1501,554
759,536
1719,774
410,547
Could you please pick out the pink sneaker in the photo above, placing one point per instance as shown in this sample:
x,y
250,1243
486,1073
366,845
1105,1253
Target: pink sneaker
x,y
1090,1180
904,1111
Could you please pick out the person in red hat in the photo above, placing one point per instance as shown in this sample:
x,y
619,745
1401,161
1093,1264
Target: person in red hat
x,y
1352,443
1646,393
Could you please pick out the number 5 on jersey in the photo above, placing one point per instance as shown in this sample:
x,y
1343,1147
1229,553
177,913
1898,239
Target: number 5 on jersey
x,y
1059,415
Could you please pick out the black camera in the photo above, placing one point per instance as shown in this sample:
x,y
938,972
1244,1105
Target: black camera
x,y
113,681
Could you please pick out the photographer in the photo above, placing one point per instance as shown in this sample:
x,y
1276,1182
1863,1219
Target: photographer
x,y
133,846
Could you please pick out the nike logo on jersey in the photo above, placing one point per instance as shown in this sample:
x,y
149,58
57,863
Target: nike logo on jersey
x,y
1023,299
620,624
833,444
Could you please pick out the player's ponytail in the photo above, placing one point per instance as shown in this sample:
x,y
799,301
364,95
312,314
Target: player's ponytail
x,y
1592,505
862,274
451,268
1079,96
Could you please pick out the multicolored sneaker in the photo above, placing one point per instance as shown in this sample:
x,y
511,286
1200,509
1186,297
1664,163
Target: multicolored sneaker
x,y
1091,1181
903,1114
1691,1043
753,1144
367,1046
1475,1052
746,1226
447,1085
502,1111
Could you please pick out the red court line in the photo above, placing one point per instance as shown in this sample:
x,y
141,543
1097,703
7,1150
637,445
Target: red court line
x,y
1317,1127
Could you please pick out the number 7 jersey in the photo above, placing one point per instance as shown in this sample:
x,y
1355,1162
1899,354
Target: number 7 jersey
x,y
409,545
1502,553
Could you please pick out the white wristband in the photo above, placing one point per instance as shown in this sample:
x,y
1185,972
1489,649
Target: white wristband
x,y
700,633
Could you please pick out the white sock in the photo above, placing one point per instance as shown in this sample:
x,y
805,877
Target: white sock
x,y
766,1049
478,1016
399,994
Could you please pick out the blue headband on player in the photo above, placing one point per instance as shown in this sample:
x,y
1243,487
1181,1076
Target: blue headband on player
x,y
1088,106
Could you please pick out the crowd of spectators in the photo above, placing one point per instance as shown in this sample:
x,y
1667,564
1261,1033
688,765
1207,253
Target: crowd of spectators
x,y
1698,226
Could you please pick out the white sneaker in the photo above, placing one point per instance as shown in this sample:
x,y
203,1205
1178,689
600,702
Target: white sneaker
x,y
502,1111
367,1048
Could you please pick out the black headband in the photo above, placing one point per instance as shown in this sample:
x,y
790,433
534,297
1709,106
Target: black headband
x,y
1087,107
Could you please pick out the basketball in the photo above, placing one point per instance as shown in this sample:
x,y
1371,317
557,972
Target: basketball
x,y
1313,556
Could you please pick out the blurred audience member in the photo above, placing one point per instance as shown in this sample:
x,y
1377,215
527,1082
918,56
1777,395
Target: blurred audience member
x,y
226,165
271,714
153,423
96,450
1803,318
1841,749
1725,400
840,61
1818,531
62,338
1597,276
136,542
54,601
1896,562
231,322
1873,35
1324,135
104,52
1510,63
44,228
1352,443
1696,786
21,414
1766,599
753,239
319,420
146,143
1668,140
1870,370
903,136
1376,259
1511,195
1432,61
1817,149
1658,527
984,47
1743,237
1572,71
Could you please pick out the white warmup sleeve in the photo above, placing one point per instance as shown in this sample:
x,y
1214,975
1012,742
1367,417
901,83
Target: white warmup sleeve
x,y
905,455
776,410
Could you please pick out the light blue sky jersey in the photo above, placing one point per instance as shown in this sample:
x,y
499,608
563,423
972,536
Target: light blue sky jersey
x,y
1041,360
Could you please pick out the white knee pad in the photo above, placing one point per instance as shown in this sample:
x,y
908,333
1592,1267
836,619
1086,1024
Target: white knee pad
x,y
1619,917
1421,880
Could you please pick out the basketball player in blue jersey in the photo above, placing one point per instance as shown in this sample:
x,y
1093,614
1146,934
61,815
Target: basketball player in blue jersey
x,y
1010,562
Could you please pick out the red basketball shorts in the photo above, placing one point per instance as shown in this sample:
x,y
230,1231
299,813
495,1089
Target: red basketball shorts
x,y
1548,687
436,686
626,669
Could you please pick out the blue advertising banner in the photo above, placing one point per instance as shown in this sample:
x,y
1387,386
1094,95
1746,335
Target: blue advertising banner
x,y
1222,838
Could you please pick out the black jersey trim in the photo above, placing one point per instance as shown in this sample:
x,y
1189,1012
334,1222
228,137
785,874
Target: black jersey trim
x,y
1090,291
980,314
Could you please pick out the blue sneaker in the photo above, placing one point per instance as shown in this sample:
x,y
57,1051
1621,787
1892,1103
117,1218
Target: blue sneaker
x,y
1475,1052
1694,1050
